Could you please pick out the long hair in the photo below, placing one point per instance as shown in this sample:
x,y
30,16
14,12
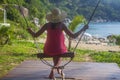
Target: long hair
x,y
54,25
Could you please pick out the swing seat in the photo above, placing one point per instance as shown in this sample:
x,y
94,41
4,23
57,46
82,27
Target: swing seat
x,y
65,55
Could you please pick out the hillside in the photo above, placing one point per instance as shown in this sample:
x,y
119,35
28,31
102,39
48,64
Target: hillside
x,y
108,10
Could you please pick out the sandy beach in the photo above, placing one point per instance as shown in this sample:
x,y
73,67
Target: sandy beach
x,y
97,47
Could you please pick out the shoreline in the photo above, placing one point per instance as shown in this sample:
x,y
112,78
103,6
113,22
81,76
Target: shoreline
x,y
97,47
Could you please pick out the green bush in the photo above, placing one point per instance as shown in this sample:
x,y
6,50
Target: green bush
x,y
118,40
106,57
4,36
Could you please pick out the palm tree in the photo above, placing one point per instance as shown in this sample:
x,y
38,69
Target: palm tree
x,y
77,20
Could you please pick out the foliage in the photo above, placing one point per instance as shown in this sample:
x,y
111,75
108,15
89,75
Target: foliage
x,y
118,40
117,37
14,1
13,14
1,1
106,57
6,35
1,16
12,55
3,35
107,9
36,9
114,37
76,21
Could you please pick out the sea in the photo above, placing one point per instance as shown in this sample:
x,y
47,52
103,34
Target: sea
x,y
103,29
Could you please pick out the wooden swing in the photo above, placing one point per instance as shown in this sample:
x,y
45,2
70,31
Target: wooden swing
x,y
68,54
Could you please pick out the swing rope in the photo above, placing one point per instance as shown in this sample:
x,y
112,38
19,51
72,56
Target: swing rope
x,y
22,13
35,42
41,58
84,31
69,54
87,24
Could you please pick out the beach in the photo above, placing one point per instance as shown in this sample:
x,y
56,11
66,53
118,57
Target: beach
x,y
96,37
99,31
92,46
97,47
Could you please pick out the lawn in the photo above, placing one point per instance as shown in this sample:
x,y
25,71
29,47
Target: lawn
x,y
12,55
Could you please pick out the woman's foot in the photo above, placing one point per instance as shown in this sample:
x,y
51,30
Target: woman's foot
x,y
51,76
61,73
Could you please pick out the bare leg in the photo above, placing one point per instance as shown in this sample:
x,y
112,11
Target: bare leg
x,y
51,76
56,61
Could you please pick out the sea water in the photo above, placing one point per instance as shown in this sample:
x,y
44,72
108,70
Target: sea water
x,y
103,29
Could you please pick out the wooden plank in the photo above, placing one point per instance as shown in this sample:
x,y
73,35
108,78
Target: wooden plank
x,y
68,54
36,70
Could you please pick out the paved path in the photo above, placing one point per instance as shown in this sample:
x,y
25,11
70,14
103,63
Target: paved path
x,y
36,70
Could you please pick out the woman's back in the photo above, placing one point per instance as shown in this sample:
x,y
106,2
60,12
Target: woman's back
x,y
55,40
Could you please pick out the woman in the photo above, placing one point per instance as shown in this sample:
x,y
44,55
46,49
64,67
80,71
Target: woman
x,y
54,45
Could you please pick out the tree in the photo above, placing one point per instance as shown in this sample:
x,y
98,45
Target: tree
x,y
118,40
37,9
77,20
6,35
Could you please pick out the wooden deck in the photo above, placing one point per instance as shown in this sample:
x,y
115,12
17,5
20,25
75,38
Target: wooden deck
x,y
36,70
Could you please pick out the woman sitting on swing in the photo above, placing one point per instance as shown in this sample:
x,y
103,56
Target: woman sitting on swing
x,y
54,45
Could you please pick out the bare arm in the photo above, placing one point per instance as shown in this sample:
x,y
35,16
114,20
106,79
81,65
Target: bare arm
x,y
36,34
74,35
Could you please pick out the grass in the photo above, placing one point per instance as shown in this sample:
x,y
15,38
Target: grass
x,y
82,55
12,55
109,57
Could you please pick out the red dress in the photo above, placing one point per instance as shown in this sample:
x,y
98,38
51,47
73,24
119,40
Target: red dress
x,y
54,44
